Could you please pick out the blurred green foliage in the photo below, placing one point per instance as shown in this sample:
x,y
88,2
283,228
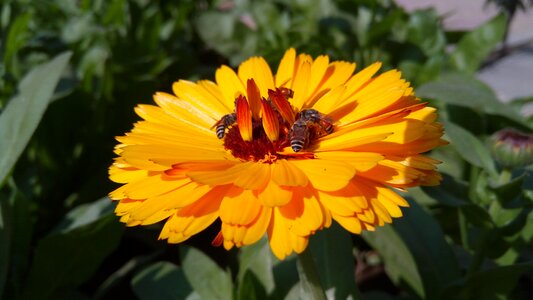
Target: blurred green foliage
x,y
72,71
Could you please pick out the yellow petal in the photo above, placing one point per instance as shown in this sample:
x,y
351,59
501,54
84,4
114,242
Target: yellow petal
x,y
325,175
274,195
285,71
300,84
256,68
177,198
304,214
361,161
225,174
230,84
287,174
255,176
350,223
242,209
194,218
282,241
360,79
245,235
148,187
198,97
184,111
328,102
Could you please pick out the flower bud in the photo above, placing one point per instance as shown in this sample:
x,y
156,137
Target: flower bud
x,y
512,148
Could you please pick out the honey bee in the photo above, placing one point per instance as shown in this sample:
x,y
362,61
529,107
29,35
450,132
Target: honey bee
x,y
225,122
309,124
288,93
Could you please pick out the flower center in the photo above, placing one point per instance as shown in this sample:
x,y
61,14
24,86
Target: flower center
x,y
260,148
261,129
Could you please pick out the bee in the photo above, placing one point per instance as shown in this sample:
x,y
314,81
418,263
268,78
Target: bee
x,y
225,122
309,124
288,93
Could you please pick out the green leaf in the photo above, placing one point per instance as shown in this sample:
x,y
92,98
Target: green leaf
x,y
398,261
425,31
470,148
332,252
466,91
258,260
495,283
85,214
205,276
64,261
162,280
476,45
22,114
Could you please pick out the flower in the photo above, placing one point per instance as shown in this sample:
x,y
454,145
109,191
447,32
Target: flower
x,y
283,155
512,148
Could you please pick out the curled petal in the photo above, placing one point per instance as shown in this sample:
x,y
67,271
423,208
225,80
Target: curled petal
x,y
270,121
244,118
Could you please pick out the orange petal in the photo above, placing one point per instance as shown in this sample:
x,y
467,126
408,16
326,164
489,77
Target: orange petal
x,y
326,175
244,118
270,121
304,214
248,234
254,98
282,105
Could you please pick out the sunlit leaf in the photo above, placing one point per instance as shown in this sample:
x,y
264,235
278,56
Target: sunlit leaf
x,y
466,91
258,260
398,260
470,148
475,46
205,276
23,113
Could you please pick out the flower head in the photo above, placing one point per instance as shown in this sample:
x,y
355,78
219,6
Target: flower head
x,y
512,148
281,154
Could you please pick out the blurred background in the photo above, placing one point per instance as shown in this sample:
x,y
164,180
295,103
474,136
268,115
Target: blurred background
x,y
72,72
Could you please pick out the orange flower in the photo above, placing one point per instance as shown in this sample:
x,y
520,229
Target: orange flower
x,y
282,155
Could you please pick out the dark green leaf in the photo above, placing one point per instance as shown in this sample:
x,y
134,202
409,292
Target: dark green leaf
x,y
466,91
5,242
285,277
311,287
470,148
427,244
63,261
332,252
475,46
258,260
22,114
251,288
492,284
161,280
205,276
508,191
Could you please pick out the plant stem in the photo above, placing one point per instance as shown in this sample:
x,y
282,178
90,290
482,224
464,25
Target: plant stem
x,y
312,288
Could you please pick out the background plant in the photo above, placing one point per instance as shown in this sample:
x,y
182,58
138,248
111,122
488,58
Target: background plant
x,y
72,72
